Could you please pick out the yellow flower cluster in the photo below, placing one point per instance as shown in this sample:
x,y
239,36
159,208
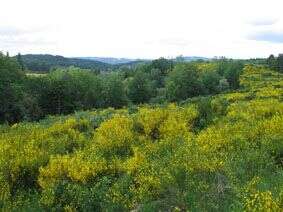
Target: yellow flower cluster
x,y
262,201
166,123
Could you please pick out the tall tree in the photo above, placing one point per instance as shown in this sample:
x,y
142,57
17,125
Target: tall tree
x,y
11,91
114,93
183,83
20,61
280,62
231,70
210,81
139,90
272,62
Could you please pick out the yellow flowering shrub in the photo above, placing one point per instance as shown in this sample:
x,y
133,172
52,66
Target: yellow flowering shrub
x,y
255,109
259,200
206,67
269,92
178,122
235,97
149,175
27,147
115,136
76,168
169,122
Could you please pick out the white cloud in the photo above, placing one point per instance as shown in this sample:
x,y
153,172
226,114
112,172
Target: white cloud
x,y
140,28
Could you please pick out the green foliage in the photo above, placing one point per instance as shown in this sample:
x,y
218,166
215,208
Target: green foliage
x,y
280,62
210,81
69,90
183,83
139,89
33,96
114,92
272,62
20,62
231,70
11,93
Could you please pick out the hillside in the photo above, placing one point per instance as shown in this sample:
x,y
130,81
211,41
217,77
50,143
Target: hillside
x,y
44,62
216,153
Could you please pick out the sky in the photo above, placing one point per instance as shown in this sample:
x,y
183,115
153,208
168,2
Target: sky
x,y
142,28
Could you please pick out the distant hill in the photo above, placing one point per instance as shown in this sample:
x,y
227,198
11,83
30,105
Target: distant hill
x,y
193,58
44,62
112,60
190,58
121,61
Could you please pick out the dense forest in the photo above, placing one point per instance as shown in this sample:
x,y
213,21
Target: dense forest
x,y
31,96
166,135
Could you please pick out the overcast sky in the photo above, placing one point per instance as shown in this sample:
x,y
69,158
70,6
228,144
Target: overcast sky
x,y
142,28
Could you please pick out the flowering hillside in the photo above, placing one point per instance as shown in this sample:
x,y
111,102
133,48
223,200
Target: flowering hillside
x,y
214,153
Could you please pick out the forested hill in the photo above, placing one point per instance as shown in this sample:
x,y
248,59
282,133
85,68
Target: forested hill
x,y
44,62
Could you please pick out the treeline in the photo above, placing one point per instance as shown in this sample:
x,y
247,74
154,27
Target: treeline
x,y
62,91
275,63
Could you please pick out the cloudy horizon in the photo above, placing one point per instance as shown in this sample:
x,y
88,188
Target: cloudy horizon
x,y
142,29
